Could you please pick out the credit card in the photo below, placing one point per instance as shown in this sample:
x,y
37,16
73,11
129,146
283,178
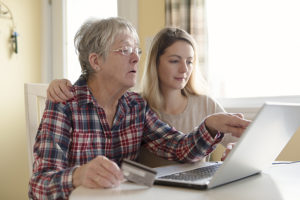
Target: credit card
x,y
138,173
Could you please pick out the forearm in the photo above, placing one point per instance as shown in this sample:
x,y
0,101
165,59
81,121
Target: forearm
x,y
196,145
166,142
203,144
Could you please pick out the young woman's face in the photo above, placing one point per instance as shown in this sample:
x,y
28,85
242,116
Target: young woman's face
x,y
175,66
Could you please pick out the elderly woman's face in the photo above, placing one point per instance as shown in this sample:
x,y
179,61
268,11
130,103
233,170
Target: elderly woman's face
x,y
121,64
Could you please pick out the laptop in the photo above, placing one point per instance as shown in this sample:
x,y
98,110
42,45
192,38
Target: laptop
x,y
257,148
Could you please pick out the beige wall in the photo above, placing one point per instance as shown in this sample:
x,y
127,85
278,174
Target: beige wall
x,y
151,20
15,70
292,149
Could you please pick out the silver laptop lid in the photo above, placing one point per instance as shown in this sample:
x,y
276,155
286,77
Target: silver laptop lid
x,y
261,143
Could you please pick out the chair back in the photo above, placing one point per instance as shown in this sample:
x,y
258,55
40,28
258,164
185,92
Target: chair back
x,y
35,99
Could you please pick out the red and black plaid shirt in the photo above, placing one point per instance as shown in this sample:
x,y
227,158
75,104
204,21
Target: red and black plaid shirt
x,y
73,133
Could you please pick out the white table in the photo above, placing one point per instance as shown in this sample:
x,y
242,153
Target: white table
x,y
281,181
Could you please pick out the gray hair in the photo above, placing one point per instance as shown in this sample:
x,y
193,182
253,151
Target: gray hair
x,y
97,36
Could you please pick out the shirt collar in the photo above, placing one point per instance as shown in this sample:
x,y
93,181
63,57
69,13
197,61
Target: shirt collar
x,y
84,96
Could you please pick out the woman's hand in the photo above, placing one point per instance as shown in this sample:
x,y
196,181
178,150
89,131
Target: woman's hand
x,y
227,151
226,123
59,90
98,173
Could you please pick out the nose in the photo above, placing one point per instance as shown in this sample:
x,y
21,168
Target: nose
x,y
183,67
134,58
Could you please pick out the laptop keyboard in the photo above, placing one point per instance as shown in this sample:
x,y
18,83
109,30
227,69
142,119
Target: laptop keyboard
x,y
195,174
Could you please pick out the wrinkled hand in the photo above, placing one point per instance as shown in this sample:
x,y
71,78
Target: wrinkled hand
x,y
226,123
227,151
59,90
98,173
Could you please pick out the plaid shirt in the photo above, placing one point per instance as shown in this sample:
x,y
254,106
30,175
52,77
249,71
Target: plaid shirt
x,y
73,133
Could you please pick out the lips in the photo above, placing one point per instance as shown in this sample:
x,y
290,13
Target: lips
x,y
180,78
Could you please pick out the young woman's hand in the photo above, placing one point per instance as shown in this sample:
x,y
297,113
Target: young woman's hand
x,y
227,151
59,90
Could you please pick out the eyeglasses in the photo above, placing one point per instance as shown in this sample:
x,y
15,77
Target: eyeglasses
x,y
127,50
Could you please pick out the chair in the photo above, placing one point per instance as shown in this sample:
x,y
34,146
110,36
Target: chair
x,y
35,99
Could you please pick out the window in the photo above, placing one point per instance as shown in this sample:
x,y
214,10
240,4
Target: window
x,y
253,47
78,11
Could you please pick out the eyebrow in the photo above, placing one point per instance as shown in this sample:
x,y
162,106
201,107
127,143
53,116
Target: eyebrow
x,y
175,55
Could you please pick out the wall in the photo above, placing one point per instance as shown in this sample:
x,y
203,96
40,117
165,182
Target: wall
x,y
151,20
16,69
292,149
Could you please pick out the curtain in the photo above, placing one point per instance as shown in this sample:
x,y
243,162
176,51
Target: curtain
x,y
190,16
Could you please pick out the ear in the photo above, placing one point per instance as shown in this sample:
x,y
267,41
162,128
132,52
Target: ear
x,y
95,61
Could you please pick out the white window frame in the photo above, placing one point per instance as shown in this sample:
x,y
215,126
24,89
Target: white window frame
x,y
54,60
129,10
249,106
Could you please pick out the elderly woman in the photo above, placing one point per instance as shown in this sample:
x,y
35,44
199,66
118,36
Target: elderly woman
x,y
82,142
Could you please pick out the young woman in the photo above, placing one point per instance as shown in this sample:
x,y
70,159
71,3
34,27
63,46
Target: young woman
x,y
174,87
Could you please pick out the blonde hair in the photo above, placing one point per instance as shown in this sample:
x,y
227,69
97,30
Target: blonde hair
x,y
97,36
150,89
